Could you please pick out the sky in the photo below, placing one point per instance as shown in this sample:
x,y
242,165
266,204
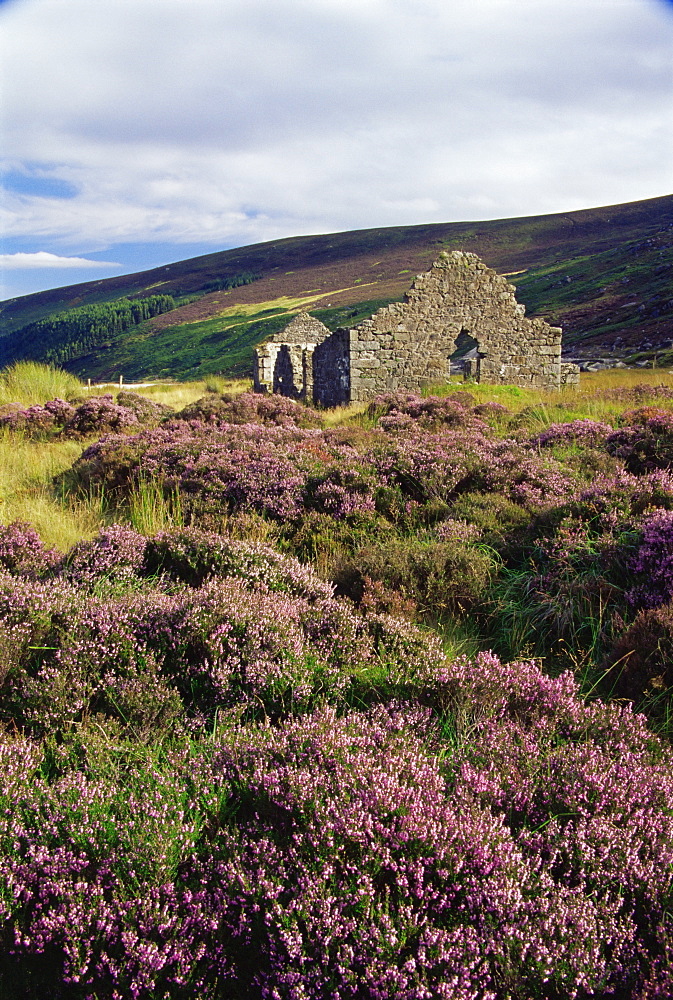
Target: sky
x,y
139,132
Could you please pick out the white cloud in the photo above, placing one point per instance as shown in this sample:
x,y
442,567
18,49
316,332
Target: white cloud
x,y
232,123
40,259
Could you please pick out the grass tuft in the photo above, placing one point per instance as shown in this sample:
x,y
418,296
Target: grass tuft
x,y
28,382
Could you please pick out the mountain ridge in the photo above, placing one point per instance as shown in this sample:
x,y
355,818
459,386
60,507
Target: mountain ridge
x,y
603,274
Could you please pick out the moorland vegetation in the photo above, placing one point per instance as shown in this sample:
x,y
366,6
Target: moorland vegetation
x,y
372,703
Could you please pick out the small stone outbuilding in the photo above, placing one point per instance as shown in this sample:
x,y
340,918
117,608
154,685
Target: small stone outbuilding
x,y
459,304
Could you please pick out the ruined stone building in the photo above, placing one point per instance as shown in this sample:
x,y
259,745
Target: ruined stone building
x,y
460,303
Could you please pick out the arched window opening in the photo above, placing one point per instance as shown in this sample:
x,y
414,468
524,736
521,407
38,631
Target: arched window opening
x,y
466,358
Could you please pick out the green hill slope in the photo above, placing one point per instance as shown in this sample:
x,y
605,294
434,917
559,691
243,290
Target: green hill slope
x,y
605,275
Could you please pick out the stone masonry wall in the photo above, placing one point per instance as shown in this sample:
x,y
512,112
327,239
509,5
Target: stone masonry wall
x,y
408,344
283,364
331,370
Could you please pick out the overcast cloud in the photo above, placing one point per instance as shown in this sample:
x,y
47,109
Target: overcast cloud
x,y
133,128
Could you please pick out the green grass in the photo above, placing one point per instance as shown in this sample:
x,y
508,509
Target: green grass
x,y
150,510
27,491
28,383
28,469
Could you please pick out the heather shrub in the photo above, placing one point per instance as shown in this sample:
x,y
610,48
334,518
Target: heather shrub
x,y
634,393
83,418
398,411
439,466
112,464
652,562
494,414
247,408
505,840
284,472
37,421
176,655
590,464
641,659
437,575
22,552
645,441
457,530
621,499
148,411
577,432
373,597
99,415
115,555
347,490
216,470
192,555
575,572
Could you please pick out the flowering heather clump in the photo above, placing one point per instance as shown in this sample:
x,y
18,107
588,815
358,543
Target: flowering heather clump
x,y
359,855
344,490
115,554
634,393
38,421
99,415
443,464
284,472
216,469
147,411
22,551
457,530
248,408
396,411
653,562
96,415
580,432
495,414
219,780
612,500
229,643
192,555
645,442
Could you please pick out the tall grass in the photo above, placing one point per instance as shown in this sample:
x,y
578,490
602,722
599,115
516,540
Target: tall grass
x,y
543,407
27,492
28,383
151,510
176,395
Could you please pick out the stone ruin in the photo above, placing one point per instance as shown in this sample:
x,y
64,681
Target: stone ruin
x,y
459,306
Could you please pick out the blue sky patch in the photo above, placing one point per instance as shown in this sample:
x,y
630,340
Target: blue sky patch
x,y
35,186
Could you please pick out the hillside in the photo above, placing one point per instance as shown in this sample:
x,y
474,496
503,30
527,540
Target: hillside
x,y
603,274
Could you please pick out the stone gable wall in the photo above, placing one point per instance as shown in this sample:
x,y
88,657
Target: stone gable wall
x,y
283,363
408,344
